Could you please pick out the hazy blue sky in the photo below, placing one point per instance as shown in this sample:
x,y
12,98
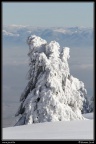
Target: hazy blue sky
x,y
48,13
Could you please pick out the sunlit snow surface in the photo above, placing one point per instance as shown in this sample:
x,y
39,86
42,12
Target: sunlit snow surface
x,y
73,130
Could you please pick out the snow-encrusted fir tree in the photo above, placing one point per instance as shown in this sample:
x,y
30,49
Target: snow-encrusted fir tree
x,y
91,105
52,93
88,105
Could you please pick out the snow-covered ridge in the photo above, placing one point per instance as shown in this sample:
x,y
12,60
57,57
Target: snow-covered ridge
x,y
74,130
52,93
6,33
67,36
18,26
65,30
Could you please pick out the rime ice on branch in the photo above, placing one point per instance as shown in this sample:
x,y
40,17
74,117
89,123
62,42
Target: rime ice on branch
x,y
52,93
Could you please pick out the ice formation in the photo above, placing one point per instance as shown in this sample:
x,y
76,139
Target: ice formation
x,y
52,93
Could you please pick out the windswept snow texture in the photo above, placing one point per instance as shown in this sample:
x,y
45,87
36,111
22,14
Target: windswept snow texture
x,y
52,93
74,130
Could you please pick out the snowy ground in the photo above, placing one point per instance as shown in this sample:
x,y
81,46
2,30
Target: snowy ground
x,y
74,130
88,115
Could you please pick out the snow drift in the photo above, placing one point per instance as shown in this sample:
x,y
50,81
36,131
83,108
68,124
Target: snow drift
x,y
74,130
52,93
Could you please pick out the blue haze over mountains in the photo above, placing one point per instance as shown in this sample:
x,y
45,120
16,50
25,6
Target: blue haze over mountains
x,y
68,36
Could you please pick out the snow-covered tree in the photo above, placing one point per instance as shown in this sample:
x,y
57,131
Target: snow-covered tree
x,y
88,105
91,105
52,93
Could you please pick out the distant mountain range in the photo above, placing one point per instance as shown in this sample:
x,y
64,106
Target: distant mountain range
x,y
16,35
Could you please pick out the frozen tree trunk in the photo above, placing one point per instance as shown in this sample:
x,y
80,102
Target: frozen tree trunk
x,y
52,93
